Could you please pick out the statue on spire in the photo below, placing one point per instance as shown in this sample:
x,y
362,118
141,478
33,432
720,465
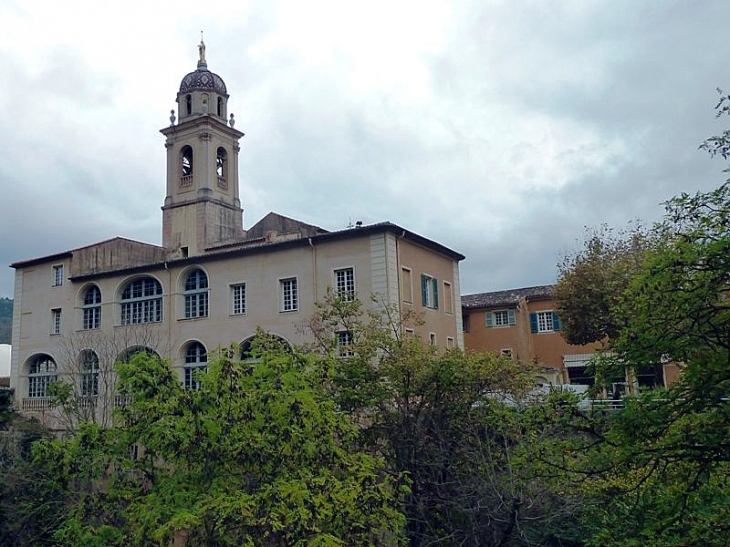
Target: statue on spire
x,y
201,51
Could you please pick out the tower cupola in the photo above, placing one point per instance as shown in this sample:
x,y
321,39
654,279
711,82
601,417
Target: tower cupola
x,y
202,92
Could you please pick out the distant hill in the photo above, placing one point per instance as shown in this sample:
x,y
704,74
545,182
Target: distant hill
x,y
6,319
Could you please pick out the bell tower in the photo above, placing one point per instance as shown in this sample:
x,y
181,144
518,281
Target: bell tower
x,y
202,207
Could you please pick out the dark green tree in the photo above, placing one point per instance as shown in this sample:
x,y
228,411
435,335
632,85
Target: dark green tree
x,y
455,423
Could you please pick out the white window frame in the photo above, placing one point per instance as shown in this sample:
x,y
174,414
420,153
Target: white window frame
x,y
344,283
288,294
545,321
449,342
91,309
56,321
194,361
507,352
144,308
89,373
196,301
432,338
57,275
42,373
345,340
238,298
500,318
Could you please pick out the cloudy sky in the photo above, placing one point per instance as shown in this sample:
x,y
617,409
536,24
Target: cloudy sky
x,y
498,128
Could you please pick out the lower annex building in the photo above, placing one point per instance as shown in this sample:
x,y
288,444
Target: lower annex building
x,y
525,324
211,283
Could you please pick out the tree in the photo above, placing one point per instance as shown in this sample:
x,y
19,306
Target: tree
x,y
591,281
657,472
257,456
452,422
87,389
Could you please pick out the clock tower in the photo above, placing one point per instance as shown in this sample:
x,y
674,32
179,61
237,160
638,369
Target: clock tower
x,y
202,207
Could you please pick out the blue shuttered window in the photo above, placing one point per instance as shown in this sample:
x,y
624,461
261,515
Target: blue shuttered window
x,y
429,291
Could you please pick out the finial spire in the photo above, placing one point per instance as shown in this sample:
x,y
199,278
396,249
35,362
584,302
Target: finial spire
x,y
201,51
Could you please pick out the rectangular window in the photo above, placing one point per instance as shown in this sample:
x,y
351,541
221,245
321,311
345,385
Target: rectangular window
x,y
465,323
58,275
344,343
449,342
289,294
238,299
500,318
56,321
196,305
345,284
92,317
430,291
406,283
432,338
410,331
448,298
545,321
142,311
191,373
507,352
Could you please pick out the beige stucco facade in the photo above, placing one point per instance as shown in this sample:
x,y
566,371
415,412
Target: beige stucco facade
x,y
211,283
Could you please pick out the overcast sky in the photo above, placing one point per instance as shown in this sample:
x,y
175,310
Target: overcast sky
x,y
498,128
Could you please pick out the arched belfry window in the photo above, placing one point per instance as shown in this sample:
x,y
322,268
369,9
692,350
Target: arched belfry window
x,y
186,161
196,294
221,162
220,106
188,105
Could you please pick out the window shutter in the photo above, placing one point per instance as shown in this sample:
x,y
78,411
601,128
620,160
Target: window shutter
x,y
424,289
557,323
511,317
533,322
435,293
490,319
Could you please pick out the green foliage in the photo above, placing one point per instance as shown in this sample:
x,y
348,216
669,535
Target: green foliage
x,y
592,281
257,456
32,498
451,422
657,472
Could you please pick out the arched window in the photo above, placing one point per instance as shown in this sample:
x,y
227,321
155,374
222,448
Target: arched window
x,y
42,373
221,162
142,302
89,374
220,106
186,161
196,360
131,352
188,104
92,308
196,294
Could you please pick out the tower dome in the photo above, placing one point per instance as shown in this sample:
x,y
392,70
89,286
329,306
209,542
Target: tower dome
x,y
203,79
202,92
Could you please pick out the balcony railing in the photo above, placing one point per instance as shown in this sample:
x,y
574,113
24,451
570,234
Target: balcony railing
x,y
36,404
186,181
